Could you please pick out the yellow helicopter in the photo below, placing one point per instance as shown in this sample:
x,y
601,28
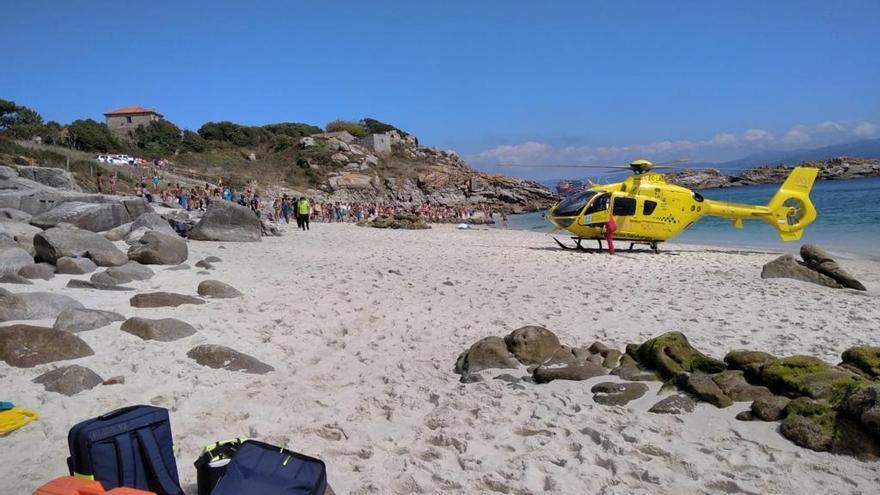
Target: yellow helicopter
x,y
649,210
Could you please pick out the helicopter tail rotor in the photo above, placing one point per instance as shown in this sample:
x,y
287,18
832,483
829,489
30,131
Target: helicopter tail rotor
x,y
791,209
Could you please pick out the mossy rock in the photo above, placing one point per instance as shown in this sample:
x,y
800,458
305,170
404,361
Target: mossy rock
x,y
811,377
865,358
750,362
809,423
671,354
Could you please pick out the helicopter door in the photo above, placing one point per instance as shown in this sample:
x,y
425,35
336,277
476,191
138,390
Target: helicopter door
x,y
597,212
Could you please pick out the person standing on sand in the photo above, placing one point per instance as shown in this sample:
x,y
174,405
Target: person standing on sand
x,y
610,228
100,182
113,179
303,209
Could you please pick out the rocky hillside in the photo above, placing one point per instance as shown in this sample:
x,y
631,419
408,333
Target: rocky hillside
x,y
833,169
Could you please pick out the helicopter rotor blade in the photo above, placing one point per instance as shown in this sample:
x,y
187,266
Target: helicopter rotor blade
x,y
605,167
671,162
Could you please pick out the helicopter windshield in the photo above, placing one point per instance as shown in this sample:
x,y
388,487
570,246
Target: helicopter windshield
x,y
573,204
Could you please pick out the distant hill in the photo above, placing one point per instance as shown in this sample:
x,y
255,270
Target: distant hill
x,y
868,148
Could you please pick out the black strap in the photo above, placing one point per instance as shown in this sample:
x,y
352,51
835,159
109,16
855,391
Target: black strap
x,y
124,460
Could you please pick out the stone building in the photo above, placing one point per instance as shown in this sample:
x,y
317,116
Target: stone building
x,y
129,118
379,143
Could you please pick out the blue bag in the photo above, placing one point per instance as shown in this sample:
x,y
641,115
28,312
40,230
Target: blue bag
x,y
260,468
129,447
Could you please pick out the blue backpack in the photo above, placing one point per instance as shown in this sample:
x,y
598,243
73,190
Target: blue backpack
x,y
259,468
129,447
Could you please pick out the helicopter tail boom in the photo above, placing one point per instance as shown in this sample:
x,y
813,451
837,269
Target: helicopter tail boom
x,y
789,211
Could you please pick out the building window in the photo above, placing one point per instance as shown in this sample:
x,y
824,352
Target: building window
x,y
128,119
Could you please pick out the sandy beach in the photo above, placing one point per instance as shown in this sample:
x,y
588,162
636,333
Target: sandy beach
x,y
363,327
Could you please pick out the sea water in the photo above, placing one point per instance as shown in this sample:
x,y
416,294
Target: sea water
x,y
848,219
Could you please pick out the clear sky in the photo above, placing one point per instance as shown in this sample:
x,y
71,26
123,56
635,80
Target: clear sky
x,y
514,81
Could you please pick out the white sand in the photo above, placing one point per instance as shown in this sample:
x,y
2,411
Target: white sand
x,y
364,363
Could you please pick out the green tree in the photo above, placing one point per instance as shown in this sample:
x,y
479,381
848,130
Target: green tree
x,y
19,121
88,135
158,138
352,128
374,126
292,129
193,142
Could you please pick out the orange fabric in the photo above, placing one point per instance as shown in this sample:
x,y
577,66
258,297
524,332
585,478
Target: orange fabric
x,y
68,485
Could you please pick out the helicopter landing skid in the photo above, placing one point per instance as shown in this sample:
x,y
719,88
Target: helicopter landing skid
x,y
579,247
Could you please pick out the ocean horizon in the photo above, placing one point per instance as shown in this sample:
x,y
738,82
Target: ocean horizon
x,y
848,220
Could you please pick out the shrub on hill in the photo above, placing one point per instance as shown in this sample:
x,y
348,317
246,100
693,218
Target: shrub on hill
x,y
352,128
193,142
292,129
374,126
158,138
88,135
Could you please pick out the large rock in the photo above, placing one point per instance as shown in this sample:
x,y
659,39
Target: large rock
x,y
152,221
704,388
165,330
13,259
532,344
74,266
227,221
674,404
617,394
26,346
734,385
163,299
69,380
486,353
52,177
217,289
221,357
14,278
818,259
42,271
158,248
73,242
14,215
34,305
787,267
671,354
118,233
864,405
865,359
85,284
124,274
809,376
809,423
87,216
576,371
770,408
80,320
22,233
750,362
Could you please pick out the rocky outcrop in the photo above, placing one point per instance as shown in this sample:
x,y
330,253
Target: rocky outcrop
x,y
819,260
221,357
42,271
786,266
80,320
87,216
164,330
69,380
124,274
13,259
34,305
218,290
73,242
26,346
489,352
52,177
159,248
74,266
834,169
163,299
399,221
227,221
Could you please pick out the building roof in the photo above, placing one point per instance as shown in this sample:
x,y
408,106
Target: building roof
x,y
132,110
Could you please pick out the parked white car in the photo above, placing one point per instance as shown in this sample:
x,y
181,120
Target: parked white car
x,y
115,159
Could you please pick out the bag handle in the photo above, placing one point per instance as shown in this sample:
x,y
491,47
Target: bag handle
x,y
113,414
154,461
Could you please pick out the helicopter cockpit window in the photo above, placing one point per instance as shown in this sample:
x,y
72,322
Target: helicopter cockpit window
x,y
649,207
624,206
600,204
572,205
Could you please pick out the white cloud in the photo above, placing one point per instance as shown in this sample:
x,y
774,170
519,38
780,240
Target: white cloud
x,y
515,154
724,138
796,135
758,135
866,130
829,126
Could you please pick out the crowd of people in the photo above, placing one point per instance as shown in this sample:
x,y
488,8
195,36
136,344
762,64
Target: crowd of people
x,y
284,208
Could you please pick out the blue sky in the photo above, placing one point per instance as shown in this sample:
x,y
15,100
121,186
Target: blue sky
x,y
509,81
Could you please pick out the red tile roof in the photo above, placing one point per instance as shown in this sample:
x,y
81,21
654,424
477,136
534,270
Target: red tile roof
x,y
132,110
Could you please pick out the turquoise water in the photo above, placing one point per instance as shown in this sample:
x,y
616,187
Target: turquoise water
x,y
848,219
